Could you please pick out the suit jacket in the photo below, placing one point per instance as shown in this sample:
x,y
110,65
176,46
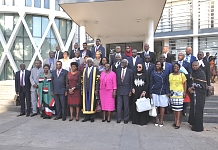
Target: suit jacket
x,y
72,53
205,58
101,48
206,70
34,77
60,56
130,64
192,59
52,66
27,81
113,60
170,58
150,68
125,87
168,68
59,83
152,57
81,61
88,52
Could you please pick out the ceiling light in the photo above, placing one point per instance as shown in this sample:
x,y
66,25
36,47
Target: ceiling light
x,y
106,36
138,20
95,22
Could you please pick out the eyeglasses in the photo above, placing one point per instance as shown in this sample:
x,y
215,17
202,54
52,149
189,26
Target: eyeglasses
x,y
139,67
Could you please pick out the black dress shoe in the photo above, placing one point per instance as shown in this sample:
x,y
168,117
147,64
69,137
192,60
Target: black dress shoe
x,y
125,122
33,115
103,120
63,119
21,114
84,120
27,115
108,121
56,118
118,121
92,120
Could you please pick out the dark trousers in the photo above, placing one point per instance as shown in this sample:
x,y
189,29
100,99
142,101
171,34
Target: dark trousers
x,y
185,107
123,100
89,116
25,95
60,104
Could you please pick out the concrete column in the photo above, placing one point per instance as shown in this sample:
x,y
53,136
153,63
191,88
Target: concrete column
x,y
166,42
52,5
82,33
195,26
42,3
32,3
149,38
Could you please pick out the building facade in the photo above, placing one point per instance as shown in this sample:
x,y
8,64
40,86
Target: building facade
x,y
29,29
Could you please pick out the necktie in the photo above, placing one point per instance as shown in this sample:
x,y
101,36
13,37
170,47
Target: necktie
x,y
21,82
146,66
57,55
78,62
58,73
134,61
186,59
123,75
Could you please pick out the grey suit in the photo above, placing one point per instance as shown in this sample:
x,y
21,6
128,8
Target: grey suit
x,y
34,79
80,62
52,65
59,87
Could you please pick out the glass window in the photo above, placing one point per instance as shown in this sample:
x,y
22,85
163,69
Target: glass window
x,y
20,32
28,49
54,43
57,7
37,40
9,24
47,4
37,3
57,22
69,27
45,48
44,24
52,32
63,29
1,50
37,26
208,44
28,3
29,21
17,49
9,73
8,2
2,22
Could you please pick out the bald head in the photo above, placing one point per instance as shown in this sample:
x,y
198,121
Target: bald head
x,y
118,49
188,50
146,47
181,56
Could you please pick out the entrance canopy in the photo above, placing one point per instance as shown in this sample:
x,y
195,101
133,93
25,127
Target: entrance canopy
x,y
115,21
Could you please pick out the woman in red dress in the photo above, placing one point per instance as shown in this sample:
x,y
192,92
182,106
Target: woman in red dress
x,y
74,97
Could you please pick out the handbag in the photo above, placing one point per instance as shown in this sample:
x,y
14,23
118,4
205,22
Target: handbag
x,y
187,98
152,111
98,106
143,104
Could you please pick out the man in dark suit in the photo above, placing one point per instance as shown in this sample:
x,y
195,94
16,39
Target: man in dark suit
x,y
117,64
207,57
58,53
118,52
169,57
22,88
73,51
98,47
124,87
205,66
146,51
85,51
167,67
59,90
134,60
189,57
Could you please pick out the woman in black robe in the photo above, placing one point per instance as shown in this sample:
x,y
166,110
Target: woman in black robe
x,y
140,87
198,95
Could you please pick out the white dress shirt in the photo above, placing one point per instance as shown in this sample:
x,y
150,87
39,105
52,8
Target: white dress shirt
x,y
22,72
146,65
180,62
146,52
165,54
134,60
164,64
188,58
97,47
201,63
57,54
89,70
123,72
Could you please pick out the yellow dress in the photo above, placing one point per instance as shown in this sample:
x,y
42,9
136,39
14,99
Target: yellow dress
x,y
176,88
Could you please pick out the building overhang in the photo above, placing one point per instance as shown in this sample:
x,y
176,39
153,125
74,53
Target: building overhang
x,y
115,21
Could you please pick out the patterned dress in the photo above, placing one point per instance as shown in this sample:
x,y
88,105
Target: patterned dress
x,y
74,81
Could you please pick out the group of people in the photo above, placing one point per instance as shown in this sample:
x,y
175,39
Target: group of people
x,y
81,79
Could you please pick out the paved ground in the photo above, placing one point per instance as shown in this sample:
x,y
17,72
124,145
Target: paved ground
x,y
35,133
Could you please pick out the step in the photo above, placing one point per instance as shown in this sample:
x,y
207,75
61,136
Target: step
x,y
7,92
212,98
7,102
211,118
211,110
9,108
211,103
